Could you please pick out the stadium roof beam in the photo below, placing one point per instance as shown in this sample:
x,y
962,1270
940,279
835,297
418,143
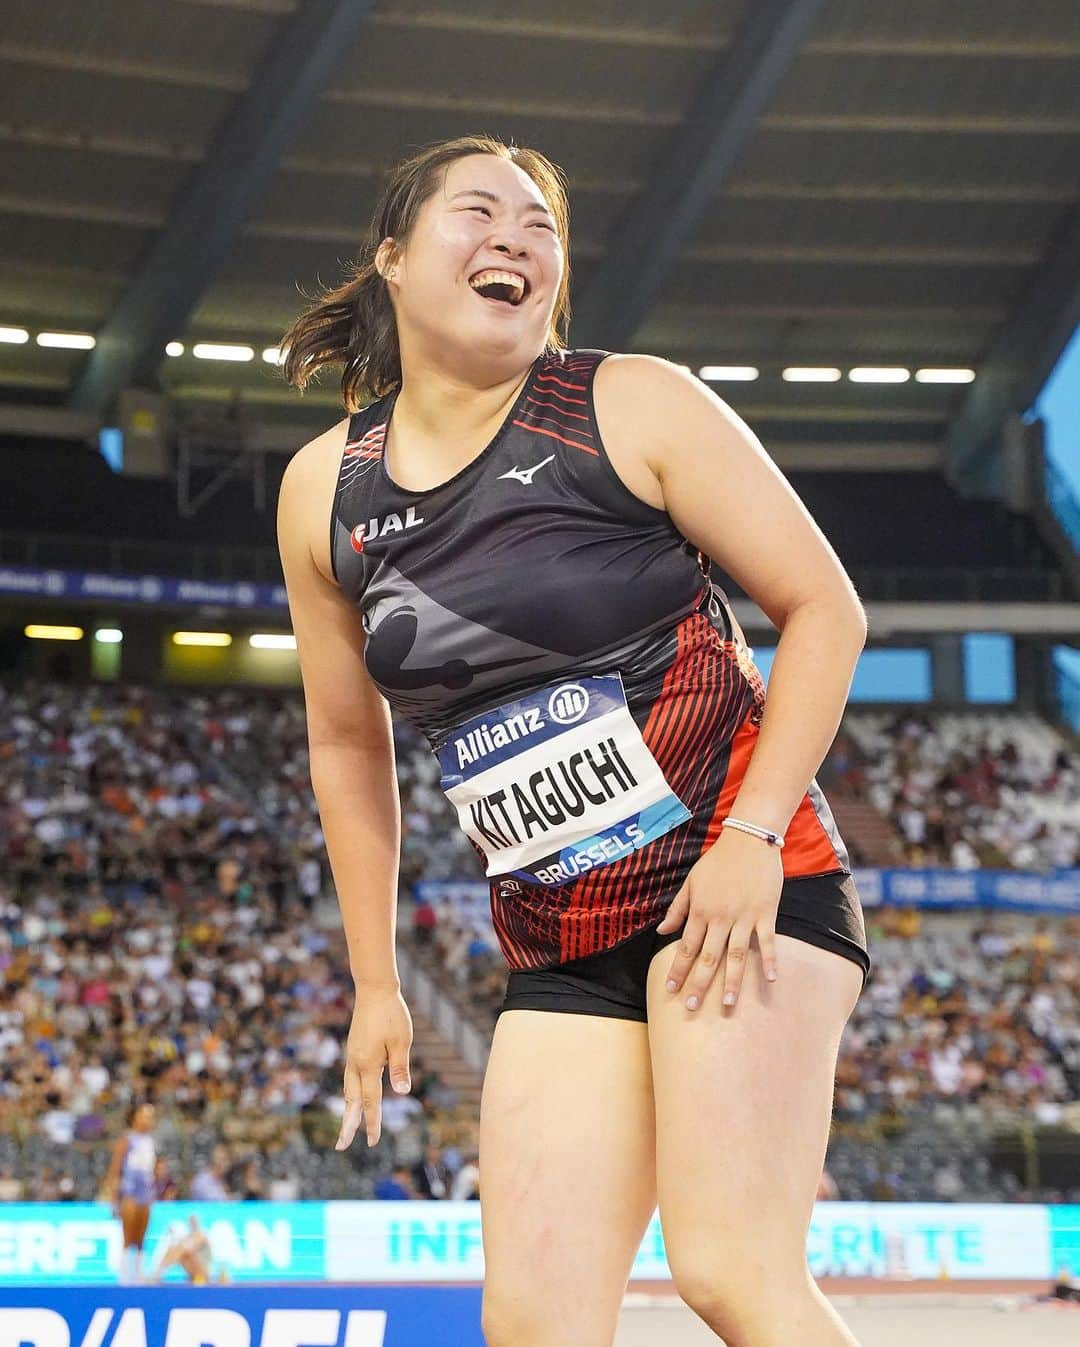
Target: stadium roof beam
x,y
695,160
215,201
1024,354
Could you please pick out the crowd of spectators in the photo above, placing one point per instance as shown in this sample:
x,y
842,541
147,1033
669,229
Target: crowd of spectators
x,y
982,1011
168,930
970,1023
161,937
965,791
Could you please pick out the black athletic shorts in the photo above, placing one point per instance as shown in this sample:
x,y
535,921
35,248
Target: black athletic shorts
x,y
823,910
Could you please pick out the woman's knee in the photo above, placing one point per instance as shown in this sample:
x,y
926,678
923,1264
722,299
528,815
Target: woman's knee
x,y
506,1320
515,1317
739,1297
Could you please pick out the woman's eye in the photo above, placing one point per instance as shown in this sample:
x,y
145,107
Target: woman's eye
x,y
542,224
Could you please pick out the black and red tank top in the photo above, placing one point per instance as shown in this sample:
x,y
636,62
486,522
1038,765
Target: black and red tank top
x,y
561,647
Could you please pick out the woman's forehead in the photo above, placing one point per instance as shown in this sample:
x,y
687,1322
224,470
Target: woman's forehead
x,y
490,173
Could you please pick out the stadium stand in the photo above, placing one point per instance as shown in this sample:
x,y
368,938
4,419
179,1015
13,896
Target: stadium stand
x,y
167,928
881,523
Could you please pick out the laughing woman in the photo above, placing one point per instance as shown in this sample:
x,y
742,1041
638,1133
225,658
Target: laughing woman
x,y
508,542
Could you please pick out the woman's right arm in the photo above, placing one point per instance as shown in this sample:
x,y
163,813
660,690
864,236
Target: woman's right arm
x,y
350,742
351,749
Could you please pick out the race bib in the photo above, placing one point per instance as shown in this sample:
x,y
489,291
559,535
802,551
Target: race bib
x,y
558,783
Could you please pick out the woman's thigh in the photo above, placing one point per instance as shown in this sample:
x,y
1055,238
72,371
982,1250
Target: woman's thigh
x,y
567,1175
743,1108
134,1218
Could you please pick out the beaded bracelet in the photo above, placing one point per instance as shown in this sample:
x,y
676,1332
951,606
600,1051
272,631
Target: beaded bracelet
x,y
766,834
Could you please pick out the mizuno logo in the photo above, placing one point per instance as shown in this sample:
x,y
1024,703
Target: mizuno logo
x,y
525,474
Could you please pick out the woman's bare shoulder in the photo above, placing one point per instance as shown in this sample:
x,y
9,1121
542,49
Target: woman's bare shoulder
x,y
626,389
307,491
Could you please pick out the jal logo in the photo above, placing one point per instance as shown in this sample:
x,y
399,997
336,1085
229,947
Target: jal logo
x,y
568,703
381,528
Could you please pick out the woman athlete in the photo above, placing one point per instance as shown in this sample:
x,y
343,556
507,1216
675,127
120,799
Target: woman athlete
x,y
508,543
190,1250
129,1186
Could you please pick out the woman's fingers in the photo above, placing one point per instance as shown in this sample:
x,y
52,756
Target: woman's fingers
x,y
706,965
701,951
356,1106
766,935
399,1069
676,913
737,951
693,937
371,1098
350,1121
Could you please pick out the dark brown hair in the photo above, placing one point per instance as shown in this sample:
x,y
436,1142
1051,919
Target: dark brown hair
x,y
354,326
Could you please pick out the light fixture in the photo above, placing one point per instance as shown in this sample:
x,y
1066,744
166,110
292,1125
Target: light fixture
x,y
879,374
213,350
273,356
728,373
68,341
202,638
175,348
14,336
42,631
270,640
811,374
944,376
109,635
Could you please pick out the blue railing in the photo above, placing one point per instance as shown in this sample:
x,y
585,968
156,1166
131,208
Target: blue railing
x,y
1068,694
1062,500
260,565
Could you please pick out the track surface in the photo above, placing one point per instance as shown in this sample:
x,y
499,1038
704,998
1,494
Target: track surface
x,y
889,1314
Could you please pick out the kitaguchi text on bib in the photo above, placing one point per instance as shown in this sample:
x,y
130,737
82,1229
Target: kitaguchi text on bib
x,y
558,783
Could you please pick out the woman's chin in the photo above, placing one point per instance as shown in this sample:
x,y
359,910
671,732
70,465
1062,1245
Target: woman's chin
x,y
499,338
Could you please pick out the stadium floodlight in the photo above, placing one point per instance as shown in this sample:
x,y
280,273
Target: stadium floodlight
x,y
68,341
879,374
42,631
201,638
14,336
175,348
109,635
736,374
945,376
272,640
213,350
811,374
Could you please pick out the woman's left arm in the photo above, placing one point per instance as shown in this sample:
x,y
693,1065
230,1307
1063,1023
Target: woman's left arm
x,y
726,496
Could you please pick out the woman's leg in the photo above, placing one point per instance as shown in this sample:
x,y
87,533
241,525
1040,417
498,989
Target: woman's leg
x,y
743,1107
567,1175
134,1218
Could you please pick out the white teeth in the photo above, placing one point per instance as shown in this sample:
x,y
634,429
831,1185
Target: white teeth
x,y
502,278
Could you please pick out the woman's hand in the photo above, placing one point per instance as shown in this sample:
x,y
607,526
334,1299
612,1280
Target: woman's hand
x,y
381,1033
732,892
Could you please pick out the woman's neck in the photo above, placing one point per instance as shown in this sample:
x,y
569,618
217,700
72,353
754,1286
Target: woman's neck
x,y
436,407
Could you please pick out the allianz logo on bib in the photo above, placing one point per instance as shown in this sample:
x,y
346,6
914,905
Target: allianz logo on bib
x,y
380,528
566,706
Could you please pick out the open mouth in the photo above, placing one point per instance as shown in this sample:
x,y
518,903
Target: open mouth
x,y
507,293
